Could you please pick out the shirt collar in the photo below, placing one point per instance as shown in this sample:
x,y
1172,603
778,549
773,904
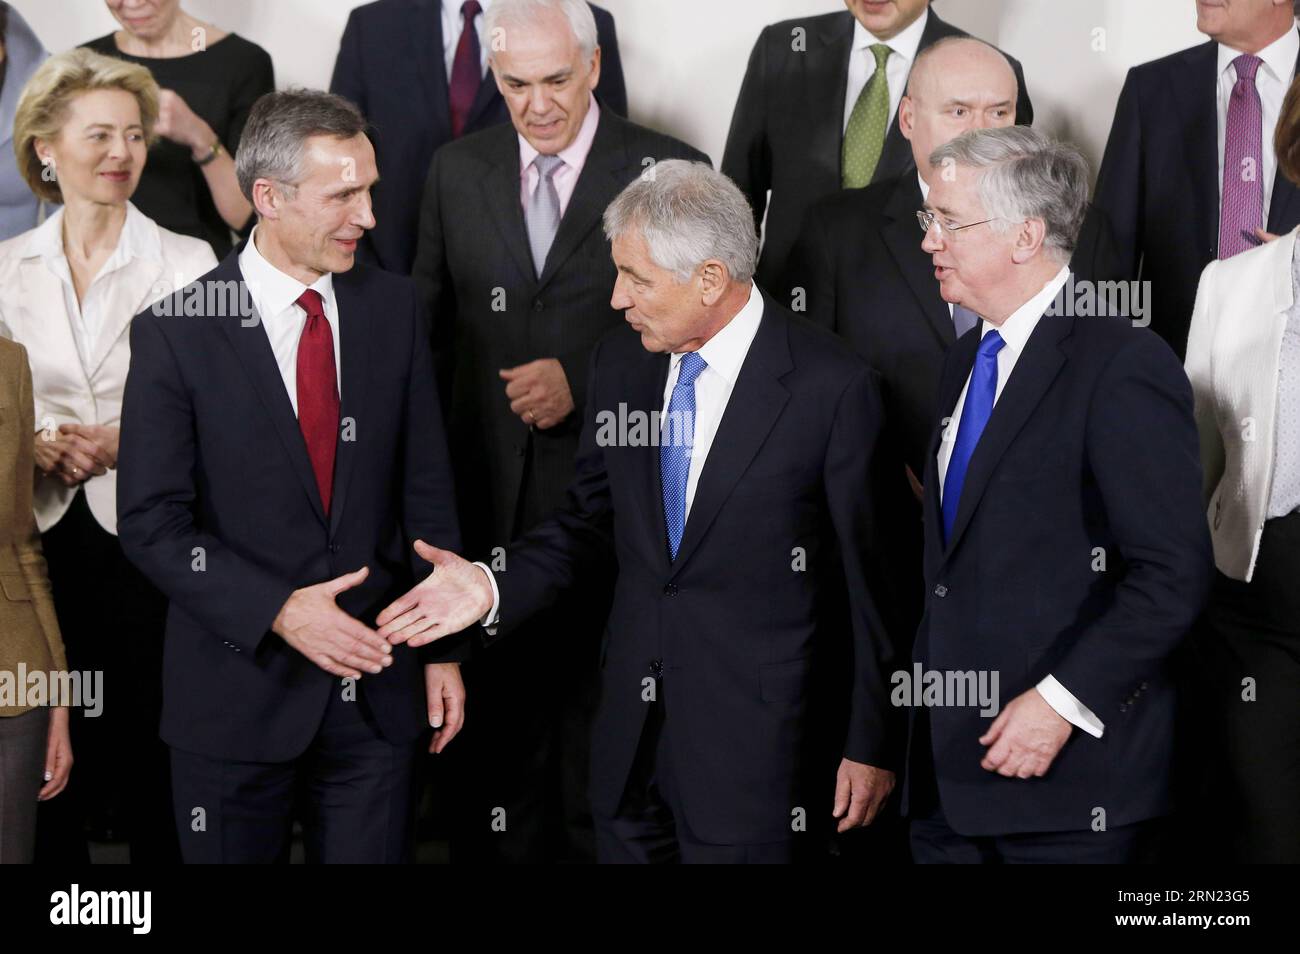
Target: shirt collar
x,y
903,44
273,290
725,351
575,153
138,239
1015,331
1279,56
925,186
452,7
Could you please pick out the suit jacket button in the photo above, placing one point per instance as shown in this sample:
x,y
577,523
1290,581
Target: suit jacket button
x,y
670,589
941,591
334,548
1142,687
656,668
1123,707
537,304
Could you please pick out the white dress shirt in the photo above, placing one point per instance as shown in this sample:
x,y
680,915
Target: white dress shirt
x,y
453,23
862,64
1272,80
1015,332
275,295
723,354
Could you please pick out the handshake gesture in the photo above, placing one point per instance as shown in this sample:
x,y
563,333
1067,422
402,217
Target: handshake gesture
x,y
455,595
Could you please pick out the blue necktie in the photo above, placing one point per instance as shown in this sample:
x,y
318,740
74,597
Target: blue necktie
x,y
676,436
974,416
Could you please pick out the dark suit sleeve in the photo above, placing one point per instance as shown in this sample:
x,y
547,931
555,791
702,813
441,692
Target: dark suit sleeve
x,y
847,477
231,597
1143,453
348,80
809,267
433,279
553,556
1111,240
611,90
747,158
428,494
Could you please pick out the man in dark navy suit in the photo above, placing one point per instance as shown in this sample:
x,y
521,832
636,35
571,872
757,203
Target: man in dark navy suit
x,y
743,710
1189,173
1066,551
282,448
422,80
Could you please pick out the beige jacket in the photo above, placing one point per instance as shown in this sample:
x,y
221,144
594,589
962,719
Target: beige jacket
x,y
29,631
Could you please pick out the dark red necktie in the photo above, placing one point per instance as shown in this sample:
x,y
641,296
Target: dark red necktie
x,y
318,392
466,71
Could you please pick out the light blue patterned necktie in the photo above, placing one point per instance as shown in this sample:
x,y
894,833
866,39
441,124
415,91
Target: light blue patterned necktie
x,y
975,415
676,437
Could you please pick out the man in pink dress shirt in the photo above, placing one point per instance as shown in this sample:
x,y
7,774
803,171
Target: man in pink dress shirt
x,y
518,276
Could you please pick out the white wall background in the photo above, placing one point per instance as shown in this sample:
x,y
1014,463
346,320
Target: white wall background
x,y
684,59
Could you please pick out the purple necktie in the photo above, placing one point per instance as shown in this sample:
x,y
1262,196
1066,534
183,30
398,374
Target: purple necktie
x,y
1242,209
466,71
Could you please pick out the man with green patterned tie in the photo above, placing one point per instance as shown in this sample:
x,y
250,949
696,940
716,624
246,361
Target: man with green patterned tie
x,y
818,112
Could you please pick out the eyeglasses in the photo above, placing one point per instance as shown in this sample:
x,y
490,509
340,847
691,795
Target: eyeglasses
x,y
925,218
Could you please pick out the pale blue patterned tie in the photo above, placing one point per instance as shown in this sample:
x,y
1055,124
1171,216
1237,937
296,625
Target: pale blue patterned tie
x,y
676,438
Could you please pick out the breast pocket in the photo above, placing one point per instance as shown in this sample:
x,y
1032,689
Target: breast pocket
x,y
15,587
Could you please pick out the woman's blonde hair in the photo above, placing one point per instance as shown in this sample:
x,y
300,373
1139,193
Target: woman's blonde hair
x,y
42,106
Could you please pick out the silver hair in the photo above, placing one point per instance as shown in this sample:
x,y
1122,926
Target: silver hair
x,y
582,24
1024,175
278,127
688,214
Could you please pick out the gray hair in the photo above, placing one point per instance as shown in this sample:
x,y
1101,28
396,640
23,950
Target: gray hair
x,y
687,214
582,24
278,127
1025,175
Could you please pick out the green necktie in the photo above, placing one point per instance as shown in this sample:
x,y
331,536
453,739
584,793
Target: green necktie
x,y
864,137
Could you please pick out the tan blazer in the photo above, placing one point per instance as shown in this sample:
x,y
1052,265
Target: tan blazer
x,y
34,313
1233,357
29,631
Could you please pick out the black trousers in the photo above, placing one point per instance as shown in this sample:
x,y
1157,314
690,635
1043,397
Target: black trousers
x,y
352,789
1248,651
112,620
649,826
935,842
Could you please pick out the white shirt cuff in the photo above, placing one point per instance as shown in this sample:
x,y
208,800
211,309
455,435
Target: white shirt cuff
x,y
1066,705
493,616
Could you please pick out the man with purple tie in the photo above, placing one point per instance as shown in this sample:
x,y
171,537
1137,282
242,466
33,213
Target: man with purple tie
x,y
1189,174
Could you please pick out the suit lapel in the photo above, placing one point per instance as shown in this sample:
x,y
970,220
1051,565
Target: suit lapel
x,y
426,29
756,402
602,178
1034,373
354,342
502,194
1284,194
136,285
903,239
651,375
1195,102
254,351
828,91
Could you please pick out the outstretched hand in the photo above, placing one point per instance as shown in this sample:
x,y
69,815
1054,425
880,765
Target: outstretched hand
x,y
455,595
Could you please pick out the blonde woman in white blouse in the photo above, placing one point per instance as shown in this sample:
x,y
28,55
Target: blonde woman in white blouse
x,y
68,291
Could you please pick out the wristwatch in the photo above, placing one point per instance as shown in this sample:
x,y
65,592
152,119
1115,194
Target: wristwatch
x,y
216,150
